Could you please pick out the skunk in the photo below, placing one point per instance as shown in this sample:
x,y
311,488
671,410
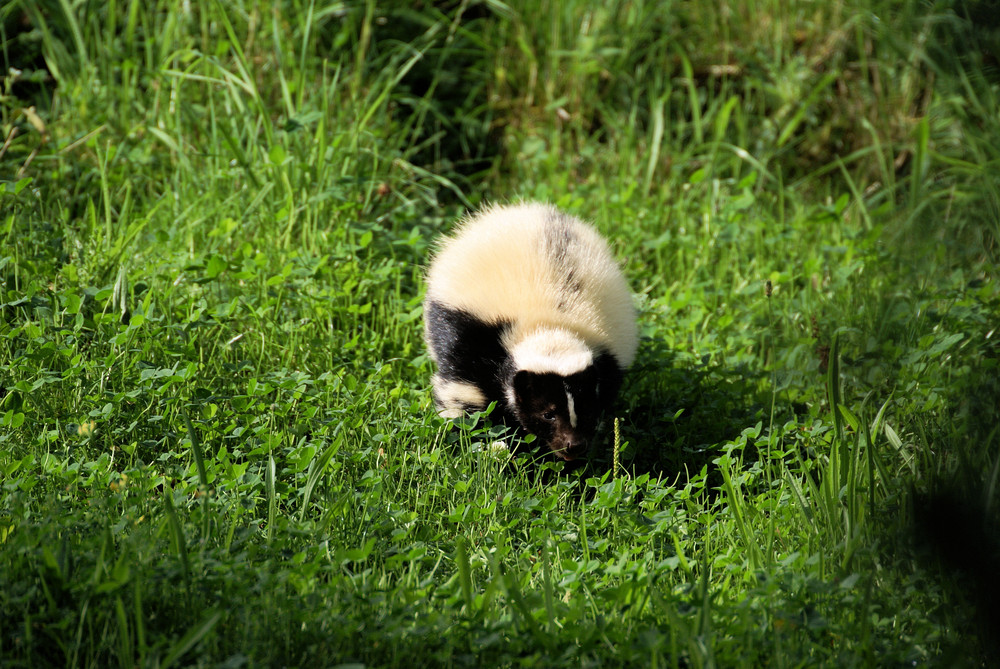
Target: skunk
x,y
526,307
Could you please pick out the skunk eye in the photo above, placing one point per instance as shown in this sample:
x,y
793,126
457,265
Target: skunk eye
x,y
549,416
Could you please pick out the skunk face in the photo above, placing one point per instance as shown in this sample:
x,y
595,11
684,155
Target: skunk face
x,y
526,307
561,411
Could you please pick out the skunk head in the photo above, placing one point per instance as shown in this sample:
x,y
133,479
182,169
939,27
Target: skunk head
x,y
560,410
554,389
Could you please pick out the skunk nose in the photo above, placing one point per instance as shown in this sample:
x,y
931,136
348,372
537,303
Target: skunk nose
x,y
573,450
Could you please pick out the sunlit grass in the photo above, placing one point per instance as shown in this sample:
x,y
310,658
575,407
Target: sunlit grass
x,y
217,442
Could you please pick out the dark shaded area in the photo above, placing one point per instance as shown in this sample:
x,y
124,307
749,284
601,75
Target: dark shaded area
x,y
955,532
21,51
955,522
444,95
984,33
676,415
946,519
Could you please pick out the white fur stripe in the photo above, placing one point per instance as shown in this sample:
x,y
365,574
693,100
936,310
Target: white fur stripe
x,y
454,397
572,408
552,351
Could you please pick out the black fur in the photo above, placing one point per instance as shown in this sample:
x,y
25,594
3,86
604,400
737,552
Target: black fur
x,y
467,349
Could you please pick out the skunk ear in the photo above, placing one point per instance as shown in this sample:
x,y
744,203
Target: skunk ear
x,y
609,376
524,383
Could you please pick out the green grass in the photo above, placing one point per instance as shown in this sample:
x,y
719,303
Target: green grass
x,y
217,442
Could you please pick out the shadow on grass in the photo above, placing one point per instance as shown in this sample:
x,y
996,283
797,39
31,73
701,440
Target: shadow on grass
x,y
956,534
954,515
676,413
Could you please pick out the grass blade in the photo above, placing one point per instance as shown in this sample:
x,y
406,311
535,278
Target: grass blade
x,y
272,497
191,638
